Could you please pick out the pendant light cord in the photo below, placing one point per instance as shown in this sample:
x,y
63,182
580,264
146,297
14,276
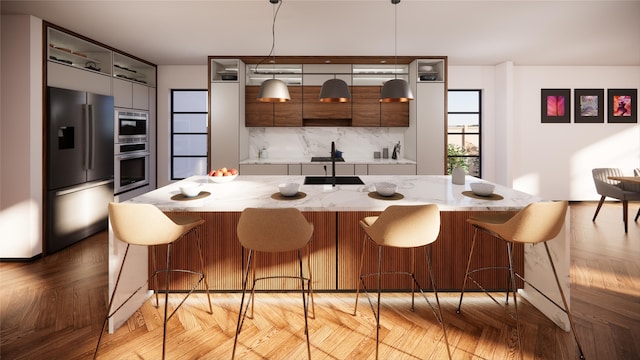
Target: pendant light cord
x,y
273,36
395,36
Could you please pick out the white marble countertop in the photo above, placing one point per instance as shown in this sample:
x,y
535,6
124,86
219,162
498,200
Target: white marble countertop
x,y
307,160
256,191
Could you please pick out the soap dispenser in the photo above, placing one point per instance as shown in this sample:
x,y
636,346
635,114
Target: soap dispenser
x,y
457,175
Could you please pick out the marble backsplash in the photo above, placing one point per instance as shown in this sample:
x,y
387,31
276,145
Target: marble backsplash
x,y
294,142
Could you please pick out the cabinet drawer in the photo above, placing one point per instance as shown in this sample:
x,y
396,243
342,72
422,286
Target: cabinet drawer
x,y
392,169
318,169
263,169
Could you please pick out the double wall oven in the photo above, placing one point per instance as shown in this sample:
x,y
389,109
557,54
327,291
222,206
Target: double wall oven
x,y
131,150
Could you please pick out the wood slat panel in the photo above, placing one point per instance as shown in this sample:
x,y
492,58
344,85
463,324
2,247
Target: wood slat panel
x,y
340,235
449,255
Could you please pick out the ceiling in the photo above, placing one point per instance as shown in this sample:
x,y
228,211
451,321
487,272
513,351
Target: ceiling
x,y
476,32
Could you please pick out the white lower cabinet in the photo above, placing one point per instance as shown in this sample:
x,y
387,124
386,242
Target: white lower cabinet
x,y
295,169
391,169
360,169
319,169
264,169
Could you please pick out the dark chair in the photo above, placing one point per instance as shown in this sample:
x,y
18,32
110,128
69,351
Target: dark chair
x,y
615,189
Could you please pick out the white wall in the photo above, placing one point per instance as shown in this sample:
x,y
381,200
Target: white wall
x,y
553,161
21,137
173,77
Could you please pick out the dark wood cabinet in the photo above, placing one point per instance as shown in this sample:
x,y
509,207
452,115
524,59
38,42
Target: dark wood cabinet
x,y
369,111
256,113
364,110
289,113
394,114
365,105
312,108
266,114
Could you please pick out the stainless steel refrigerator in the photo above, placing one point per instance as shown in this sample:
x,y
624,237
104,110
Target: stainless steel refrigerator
x,y
79,166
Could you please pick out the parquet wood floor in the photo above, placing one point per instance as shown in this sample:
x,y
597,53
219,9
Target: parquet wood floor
x,y
52,308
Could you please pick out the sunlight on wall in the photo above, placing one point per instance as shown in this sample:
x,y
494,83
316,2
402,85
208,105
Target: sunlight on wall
x,y
19,232
529,183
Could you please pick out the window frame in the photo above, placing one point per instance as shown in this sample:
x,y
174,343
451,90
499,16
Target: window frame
x,y
172,133
478,133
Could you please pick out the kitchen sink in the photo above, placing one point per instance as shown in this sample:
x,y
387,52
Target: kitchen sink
x,y
328,180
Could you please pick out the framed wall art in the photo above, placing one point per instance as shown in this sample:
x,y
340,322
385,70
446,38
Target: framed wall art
x,y
588,105
555,105
623,105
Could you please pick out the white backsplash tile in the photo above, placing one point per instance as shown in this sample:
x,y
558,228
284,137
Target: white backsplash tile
x,y
297,142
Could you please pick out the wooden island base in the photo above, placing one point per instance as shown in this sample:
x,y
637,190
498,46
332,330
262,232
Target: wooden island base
x,y
335,252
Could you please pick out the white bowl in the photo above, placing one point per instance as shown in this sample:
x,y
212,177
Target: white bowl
x,y
385,188
482,189
190,189
289,189
223,179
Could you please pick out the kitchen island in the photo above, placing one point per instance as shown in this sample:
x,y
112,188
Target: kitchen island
x,y
336,245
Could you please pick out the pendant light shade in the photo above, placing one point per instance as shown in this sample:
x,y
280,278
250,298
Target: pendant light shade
x,y
273,90
396,90
335,90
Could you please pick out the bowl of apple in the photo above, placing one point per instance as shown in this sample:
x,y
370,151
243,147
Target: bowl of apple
x,y
223,175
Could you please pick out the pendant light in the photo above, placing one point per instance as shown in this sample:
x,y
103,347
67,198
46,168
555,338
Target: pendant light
x,y
335,90
273,90
396,90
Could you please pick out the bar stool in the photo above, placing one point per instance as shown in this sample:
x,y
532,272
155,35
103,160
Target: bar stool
x,y
402,226
146,225
536,223
273,231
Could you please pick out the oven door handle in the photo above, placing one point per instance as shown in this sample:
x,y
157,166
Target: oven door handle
x,y
132,155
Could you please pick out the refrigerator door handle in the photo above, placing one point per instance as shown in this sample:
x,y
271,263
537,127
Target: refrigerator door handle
x,y
84,187
92,136
87,144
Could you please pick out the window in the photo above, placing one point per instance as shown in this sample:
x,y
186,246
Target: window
x,y
463,133
188,133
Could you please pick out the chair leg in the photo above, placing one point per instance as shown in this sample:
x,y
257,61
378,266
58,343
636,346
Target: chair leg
x,y
155,278
113,295
242,311
435,292
166,300
564,301
510,277
304,306
598,208
413,274
359,280
310,286
202,269
379,287
625,214
515,300
637,215
466,274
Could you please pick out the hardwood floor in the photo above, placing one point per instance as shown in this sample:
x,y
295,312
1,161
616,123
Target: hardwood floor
x,y
52,308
